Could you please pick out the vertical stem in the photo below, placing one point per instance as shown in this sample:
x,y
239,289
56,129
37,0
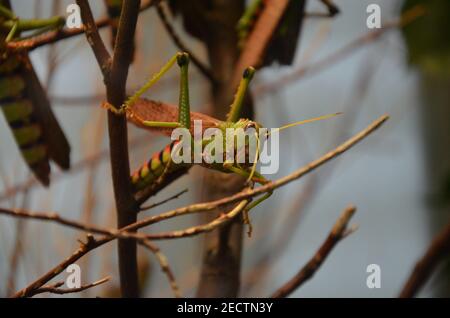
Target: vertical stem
x,y
115,75
118,143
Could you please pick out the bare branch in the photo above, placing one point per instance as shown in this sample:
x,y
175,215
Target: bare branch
x,y
55,36
93,36
164,264
205,70
154,205
115,75
436,252
338,232
55,288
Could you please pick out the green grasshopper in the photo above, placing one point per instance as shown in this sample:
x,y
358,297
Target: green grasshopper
x,y
160,118
24,102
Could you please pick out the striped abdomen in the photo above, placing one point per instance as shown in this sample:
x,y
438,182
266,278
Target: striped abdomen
x,y
19,113
154,168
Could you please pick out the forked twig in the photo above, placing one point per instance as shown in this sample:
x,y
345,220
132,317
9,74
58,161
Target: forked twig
x,y
338,232
439,249
55,288
179,43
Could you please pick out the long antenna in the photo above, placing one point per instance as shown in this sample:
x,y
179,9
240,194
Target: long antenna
x,y
307,121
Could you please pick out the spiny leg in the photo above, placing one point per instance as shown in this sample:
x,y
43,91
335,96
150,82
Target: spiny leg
x,y
258,178
236,107
184,117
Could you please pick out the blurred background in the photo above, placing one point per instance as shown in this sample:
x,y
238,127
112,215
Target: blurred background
x,y
394,177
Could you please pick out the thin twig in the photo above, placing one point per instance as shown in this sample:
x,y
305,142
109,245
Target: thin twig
x,y
332,8
55,288
127,234
55,36
205,70
154,205
337,233
93,36
436,252
165,267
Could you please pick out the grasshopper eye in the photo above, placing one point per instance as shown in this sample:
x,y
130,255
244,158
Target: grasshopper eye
x,y
250,125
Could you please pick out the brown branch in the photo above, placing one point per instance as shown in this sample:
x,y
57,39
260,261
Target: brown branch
x,y
55,36
338,231
179,43
436,252
154,205
118,144
115,75
55,288
208,206
164,264
127,232
332,8
93,36
91,244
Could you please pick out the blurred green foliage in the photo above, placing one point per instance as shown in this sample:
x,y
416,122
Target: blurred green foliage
x,y
428,38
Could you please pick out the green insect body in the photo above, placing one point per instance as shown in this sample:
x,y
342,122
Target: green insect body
x,y
161,164
27,110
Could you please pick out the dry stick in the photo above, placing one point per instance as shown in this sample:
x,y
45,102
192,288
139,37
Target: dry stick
x,y
55,36
164,264
54,288
17,249
338,231
92,244
332,8
436,252
154,205
127,234
179,43
407,17
141,238
115,74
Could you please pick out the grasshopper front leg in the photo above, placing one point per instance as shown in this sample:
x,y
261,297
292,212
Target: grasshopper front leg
x,y
184,111
257,178
15,25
